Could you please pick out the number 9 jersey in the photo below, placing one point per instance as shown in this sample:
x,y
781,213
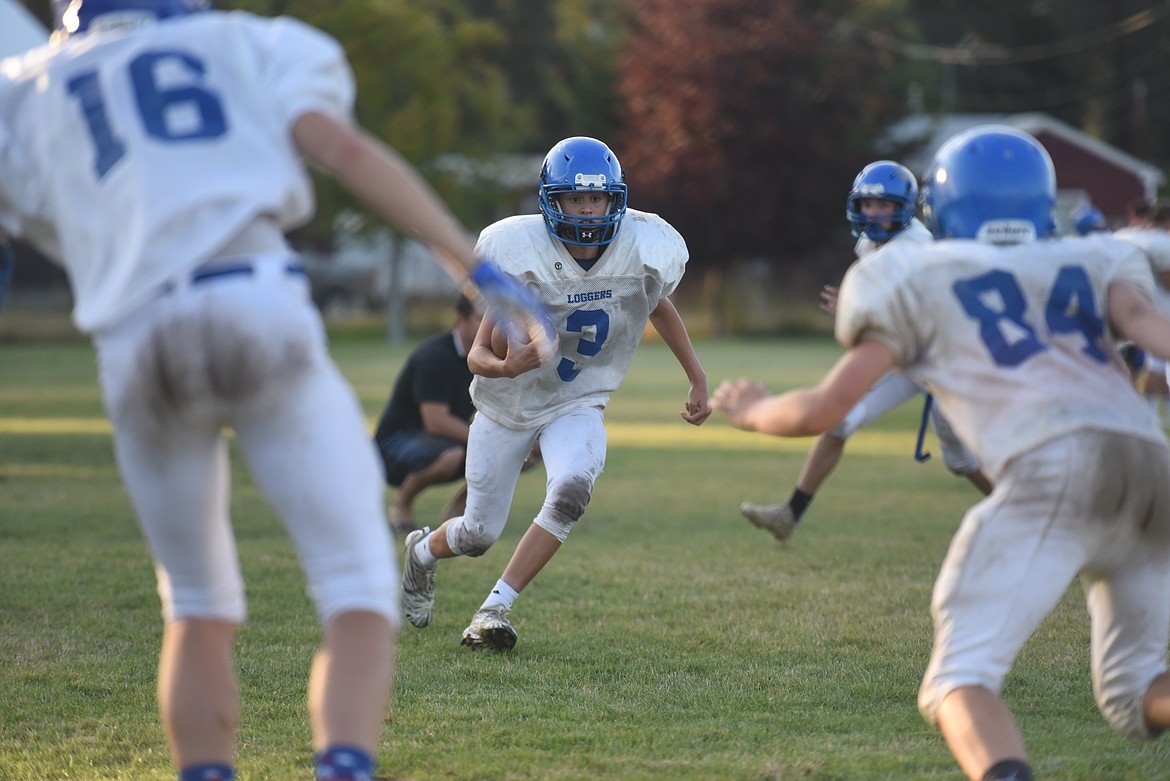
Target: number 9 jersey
x,y
1011,336
207,99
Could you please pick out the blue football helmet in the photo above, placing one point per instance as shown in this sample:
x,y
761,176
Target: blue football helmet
x,y
994,183
75,16
582,164
1088,219
887,181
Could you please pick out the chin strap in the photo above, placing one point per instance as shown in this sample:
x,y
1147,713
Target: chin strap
x,y
920,456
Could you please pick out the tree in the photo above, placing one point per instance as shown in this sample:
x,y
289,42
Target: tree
x,y
746,121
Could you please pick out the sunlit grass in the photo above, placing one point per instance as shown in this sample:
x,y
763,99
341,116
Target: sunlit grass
x,y
668,639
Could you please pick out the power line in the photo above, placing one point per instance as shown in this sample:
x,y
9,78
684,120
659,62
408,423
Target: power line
x,y
976,53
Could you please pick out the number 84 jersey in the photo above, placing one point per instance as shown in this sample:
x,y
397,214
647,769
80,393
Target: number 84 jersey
x,y
1012,340
131,156
600,314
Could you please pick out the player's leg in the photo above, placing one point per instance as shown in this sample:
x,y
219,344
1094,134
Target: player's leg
x,y
1127,588
573,448
1009,564
495,455
175,468
302,431
781,519
957,458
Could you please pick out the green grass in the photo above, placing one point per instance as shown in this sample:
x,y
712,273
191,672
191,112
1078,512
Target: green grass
x,y
668,640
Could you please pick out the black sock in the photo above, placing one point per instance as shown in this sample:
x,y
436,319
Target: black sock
x,y
1009,770
799,503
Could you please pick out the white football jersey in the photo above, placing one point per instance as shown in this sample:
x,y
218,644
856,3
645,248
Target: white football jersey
x,y
1155,243
915,232
1010,339
600,315
95,132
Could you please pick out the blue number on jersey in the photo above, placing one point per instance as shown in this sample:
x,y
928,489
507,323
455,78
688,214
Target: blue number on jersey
x,y
1071,309
170,114
577,322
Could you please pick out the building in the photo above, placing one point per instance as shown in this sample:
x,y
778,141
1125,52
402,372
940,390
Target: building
x,y
1088,170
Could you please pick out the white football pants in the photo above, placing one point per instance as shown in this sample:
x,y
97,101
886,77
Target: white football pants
x,y
245,351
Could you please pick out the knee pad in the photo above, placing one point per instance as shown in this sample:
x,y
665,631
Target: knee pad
x,y
564,505
468,536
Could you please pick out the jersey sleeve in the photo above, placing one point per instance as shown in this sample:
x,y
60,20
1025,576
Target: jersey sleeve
x,y
305,70
1130,264
661,249
875,302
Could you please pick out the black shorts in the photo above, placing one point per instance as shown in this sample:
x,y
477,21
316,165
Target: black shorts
x,y
411,451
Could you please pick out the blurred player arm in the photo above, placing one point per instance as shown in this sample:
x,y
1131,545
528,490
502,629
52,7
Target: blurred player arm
x,y
1134,317
806,411
670,327
380,176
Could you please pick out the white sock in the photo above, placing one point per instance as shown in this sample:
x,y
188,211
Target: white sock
x,y
502,595
423,552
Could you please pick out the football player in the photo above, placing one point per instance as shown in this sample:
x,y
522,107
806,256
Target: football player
x,y
880,208
154,148
603,270
1012,332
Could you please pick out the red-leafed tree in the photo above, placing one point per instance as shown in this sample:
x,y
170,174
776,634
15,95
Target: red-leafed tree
x,y
745,121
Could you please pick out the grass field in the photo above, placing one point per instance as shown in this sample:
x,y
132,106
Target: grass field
x,y
668,640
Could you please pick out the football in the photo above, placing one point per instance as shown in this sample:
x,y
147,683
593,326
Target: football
x,y
500,340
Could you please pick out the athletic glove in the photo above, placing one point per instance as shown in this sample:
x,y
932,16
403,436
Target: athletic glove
x,y
514,303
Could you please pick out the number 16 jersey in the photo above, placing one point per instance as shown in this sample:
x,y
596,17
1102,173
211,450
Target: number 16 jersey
x,y
95,130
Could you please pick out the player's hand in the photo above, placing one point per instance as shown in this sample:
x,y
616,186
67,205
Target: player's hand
x,y
698,406
512,301
828,301
521,358
735,399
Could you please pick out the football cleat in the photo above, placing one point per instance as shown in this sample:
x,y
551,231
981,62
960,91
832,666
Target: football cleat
x,y
775,518
418,583
490,629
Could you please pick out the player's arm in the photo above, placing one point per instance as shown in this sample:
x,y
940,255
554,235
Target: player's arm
x,y
670,327
382,178
483,360
806,411
1134,317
